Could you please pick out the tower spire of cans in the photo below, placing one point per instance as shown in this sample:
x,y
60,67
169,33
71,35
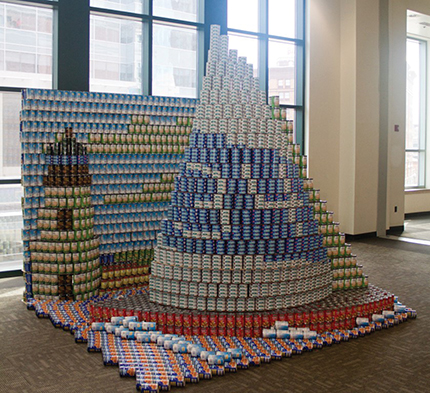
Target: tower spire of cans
x,y
240,233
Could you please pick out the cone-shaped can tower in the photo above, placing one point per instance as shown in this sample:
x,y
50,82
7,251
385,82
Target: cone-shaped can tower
x,y
240,233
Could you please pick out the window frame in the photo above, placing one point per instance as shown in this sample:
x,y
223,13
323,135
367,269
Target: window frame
x,y
147,18
47,4
423,126
263,38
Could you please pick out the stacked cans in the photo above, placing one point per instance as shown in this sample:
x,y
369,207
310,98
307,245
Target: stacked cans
x,y
240,205
113,182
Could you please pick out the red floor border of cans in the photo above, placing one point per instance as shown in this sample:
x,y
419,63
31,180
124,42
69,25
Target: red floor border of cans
x,y
338,311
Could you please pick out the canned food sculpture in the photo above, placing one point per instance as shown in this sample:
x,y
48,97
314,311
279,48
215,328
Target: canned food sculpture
x,y
240,233
65,260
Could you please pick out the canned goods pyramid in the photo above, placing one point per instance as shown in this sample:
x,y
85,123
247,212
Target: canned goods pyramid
x,y
240,233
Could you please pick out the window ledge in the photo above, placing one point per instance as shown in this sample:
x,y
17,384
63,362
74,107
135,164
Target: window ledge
x,y
418,191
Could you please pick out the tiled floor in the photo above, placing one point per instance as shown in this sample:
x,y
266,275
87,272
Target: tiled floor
x,y
36,357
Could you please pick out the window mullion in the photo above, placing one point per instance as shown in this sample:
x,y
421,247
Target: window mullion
x,y
263,45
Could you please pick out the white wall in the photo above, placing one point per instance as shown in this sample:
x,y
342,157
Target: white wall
x,y
343,124
323,98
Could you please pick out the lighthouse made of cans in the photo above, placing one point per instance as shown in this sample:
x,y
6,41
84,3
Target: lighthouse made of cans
x,y
65,257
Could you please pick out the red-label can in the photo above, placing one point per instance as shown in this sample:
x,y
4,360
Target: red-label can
x,y
222,321
342,313
170,319
306,318
188,331
359,309
231,321
213,331
265,321
222,331
342,324
153,316
320,327
353,313
248,321
313,326
239,332
187,320
282,317
273,318
256,321
350,323
365,308
313,317
196,331
298,318
170,329
139,315
321,314
335,314
328,316
327,326
290,319
204,331
179,329
179,320
231,332
204,321
334,325
247,332
257,332
129,312
161,319
196,320
213,320
240,321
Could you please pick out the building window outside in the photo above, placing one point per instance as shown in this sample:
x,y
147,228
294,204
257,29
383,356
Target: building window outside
x,y
26,53
122,60
271,36
416,113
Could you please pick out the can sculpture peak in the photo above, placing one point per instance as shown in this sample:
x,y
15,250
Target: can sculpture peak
x,y
240,233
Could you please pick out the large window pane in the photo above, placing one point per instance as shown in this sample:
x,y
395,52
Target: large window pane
x,y
242,15
282,73
174,62
414,96
412,169
115,55
120,5
25,46
10,227
282,18
246,46
184,10
10,148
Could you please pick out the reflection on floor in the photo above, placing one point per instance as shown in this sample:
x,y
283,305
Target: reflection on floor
x,y
417,230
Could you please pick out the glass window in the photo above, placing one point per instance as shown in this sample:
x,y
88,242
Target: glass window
x,y
26,46
243,15
188,10
120,5
416,113
246,46
282,56
115,55
282,18
10,163
10,227
174,61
